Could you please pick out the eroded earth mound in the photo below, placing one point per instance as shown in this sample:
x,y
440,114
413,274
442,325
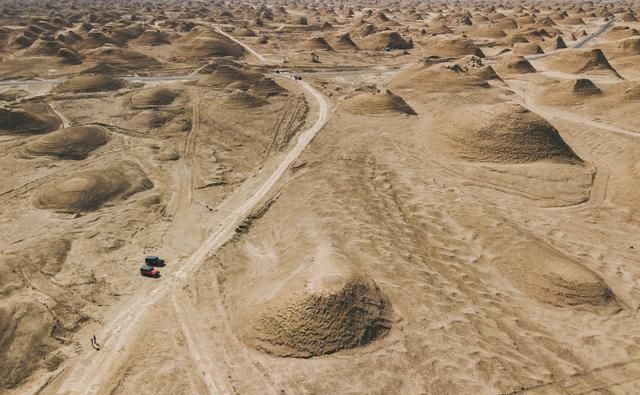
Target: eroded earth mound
x,y
502,133
69,143
89,190
318,316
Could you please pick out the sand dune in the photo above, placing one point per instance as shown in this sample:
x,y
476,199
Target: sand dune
x,y
154,97
514,65
241,99
385,39
224,75
90,190
32,118
210,45
319,314
581,62
377,104
501,133
551,277
152,38
437,78
266,87
90,83
452,47
69,143
120,58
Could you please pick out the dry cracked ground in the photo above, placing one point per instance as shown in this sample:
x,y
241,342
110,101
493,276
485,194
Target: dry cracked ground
x,y
389,197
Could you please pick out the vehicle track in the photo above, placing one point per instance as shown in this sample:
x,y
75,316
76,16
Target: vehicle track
x,y
63,119
184,194
260,57
214,383
92,370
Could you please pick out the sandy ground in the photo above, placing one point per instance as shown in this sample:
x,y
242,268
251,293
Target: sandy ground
x,y
438,217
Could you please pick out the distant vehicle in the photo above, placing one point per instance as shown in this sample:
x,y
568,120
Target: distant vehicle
x,y
297,77
149,271
387,49
154,261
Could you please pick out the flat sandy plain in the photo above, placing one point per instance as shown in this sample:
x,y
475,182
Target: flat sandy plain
x,y
397,197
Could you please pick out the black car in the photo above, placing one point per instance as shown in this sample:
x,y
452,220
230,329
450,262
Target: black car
x,y
154,261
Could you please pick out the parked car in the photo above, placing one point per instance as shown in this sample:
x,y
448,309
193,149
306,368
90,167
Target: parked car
x,y
149,271
154,261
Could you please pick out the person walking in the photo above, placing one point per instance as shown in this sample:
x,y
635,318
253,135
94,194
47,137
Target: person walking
x,y
94,343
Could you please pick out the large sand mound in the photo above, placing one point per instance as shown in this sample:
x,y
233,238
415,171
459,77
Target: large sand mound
x,y
316,43
317,315
90,83
581,62
437,78
377,104
500,133
242,99
385,39
72,143
89,190
488,32
452,47
121,58
69,56
44,48
521,49
217,62
152,38
581,87
266,87
552,277
34,118
154,97
555,44
164,122
342,42
95,39
225,75
205,47
514,65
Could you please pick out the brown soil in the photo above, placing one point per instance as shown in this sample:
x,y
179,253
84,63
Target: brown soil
x,y
69,143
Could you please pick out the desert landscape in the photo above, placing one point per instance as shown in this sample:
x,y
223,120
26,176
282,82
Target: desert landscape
x,y
319,197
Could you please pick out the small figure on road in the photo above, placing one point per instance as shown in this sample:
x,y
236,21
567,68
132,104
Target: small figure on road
x,y
94,343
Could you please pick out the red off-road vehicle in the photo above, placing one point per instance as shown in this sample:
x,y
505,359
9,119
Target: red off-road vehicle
x,y
149,271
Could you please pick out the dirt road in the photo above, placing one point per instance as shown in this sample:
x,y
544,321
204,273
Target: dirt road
x,y
260,57
90,371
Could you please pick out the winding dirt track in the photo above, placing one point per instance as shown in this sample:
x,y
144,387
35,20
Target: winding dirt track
x,y
92,370
63,119
260,57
